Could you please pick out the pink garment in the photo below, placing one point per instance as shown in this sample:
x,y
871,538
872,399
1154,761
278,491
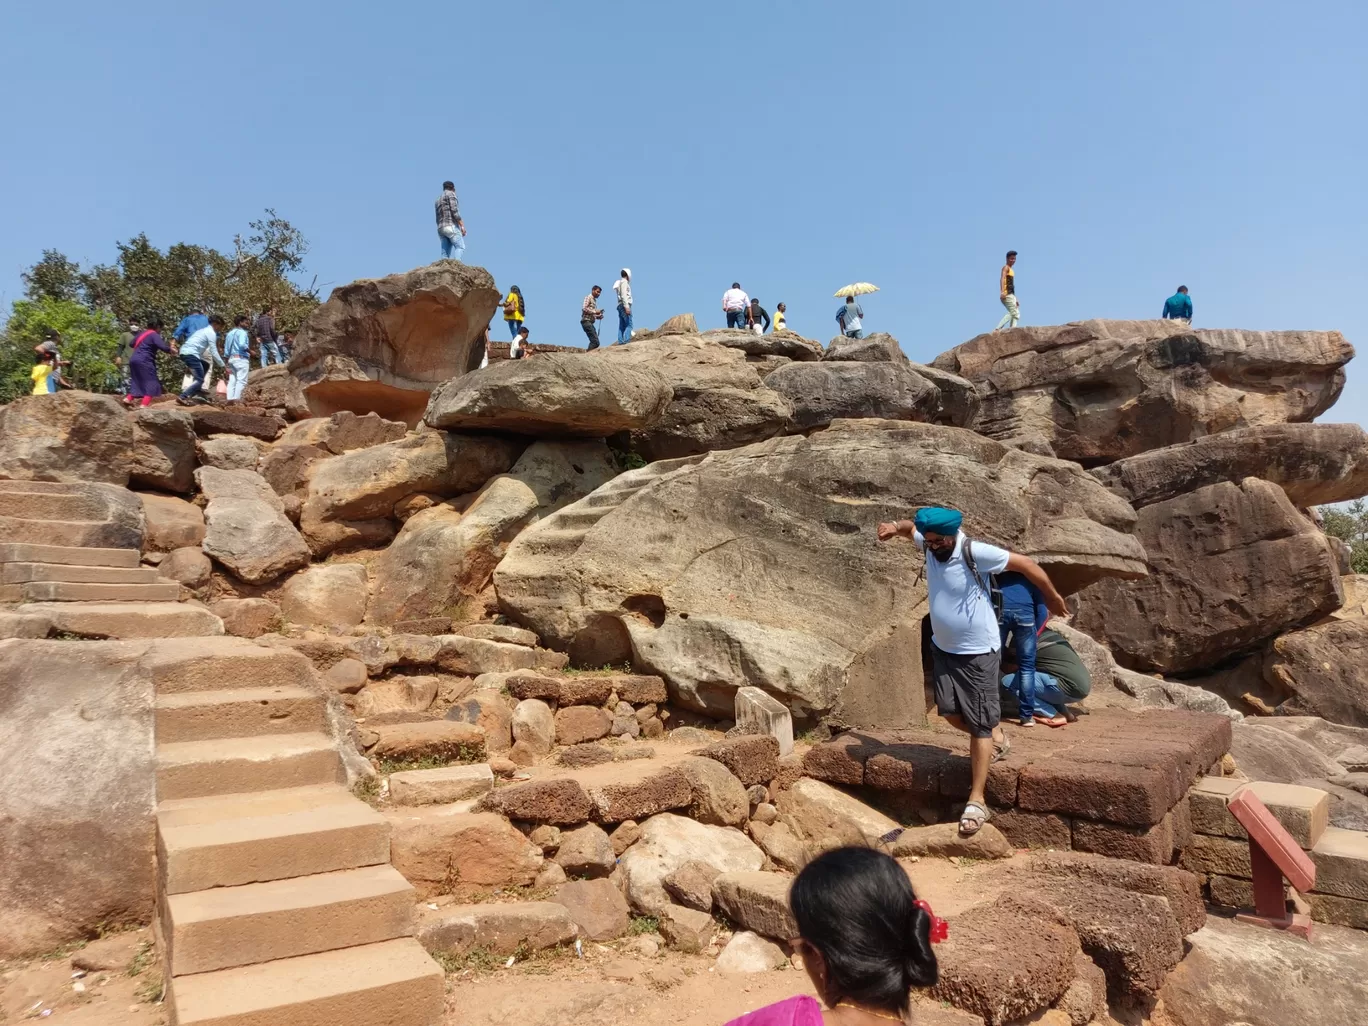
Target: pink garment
x,y
795,1011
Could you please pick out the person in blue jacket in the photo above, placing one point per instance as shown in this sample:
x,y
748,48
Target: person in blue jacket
x,y
1024,615
1178,307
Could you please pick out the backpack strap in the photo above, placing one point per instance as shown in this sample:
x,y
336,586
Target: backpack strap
x,y
994,594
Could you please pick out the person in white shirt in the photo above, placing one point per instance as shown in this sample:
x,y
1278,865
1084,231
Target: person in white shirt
x,y
966,643
735,302
623,288
195,353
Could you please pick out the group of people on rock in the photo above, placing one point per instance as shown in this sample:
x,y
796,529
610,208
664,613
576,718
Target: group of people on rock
x,y
195,342
1178,307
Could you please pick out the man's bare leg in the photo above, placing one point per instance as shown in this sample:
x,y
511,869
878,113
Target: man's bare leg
x,y
980,758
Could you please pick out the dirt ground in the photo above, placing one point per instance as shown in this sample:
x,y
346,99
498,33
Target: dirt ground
x,y
51,989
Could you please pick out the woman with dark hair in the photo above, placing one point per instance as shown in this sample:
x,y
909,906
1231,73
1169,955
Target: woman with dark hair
x,y
515,310
865,941
142,365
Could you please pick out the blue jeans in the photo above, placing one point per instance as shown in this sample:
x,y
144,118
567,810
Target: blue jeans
x,y
453,246
197,369
273,350
624,324
513,327
1021,625
857,333
736,318
1049,697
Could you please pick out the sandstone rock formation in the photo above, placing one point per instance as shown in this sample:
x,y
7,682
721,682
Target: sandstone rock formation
x,y
443,555
1098,390
252,539
163,454
787,344
822,392
688,568
1324,669
382,344
343,432
332,595
67,513
679,324
553,394
275,389
955,401
1231,565
1313,463
68,436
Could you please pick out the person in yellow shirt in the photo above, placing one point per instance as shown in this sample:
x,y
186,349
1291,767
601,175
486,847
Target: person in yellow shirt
x,y
1007,293
515,311
42,371
780,318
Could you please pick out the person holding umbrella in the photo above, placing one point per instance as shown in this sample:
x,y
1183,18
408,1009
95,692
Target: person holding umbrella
x,y
850,316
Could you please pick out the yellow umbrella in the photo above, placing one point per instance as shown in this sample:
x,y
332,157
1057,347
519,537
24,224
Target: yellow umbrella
x,y
860,288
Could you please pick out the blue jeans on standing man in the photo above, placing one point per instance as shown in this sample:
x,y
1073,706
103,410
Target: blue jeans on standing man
x,y
736,318
273,349
197,369
453,244
624,324
1020,624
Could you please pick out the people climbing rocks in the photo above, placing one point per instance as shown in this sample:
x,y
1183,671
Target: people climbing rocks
x,y
850,316
514,311
268,341
195,353
781,318
965,639
734,304
590,315
237,355
623,288
757,317
450,227
143,383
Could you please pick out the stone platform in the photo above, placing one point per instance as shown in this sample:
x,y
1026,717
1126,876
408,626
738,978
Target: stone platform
x,y
1114,783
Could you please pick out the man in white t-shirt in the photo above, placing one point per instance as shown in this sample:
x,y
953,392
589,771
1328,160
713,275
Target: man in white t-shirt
x,y
734,303
965,638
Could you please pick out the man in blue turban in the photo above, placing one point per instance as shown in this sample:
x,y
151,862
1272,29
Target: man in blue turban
x,y
965,640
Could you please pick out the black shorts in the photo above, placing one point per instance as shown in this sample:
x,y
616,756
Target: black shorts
x,y
967,686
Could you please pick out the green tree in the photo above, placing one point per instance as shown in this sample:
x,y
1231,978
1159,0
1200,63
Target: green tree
x,y
1349,522
89,339
53,277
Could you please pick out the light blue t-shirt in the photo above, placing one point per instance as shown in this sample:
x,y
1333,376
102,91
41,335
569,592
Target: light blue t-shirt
x,y
202,343
962,618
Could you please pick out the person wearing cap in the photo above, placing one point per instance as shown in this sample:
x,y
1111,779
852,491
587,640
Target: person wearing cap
x,y
965,639
623,288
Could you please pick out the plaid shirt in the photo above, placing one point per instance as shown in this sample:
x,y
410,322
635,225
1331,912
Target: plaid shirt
x,y
589,311
448,210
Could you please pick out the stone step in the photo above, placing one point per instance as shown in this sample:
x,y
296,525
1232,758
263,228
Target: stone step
x,y
230,926
239,712
128,619
208,664
69,533
22,573
195,769
65,591
393,983
68,506
581,519
68,555
553,540
270,835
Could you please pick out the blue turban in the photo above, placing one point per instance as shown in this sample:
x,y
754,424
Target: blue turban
x,y
938,520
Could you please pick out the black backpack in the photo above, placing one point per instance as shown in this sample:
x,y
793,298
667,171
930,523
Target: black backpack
x,y
989,584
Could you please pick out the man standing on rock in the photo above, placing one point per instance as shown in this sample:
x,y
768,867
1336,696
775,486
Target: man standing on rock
x,y
623,288
734,305
267,343
450,227
1007,293
1178,307
850,316
590,315
965,640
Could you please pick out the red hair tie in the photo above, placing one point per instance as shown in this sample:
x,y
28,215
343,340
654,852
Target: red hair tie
x,y
940,929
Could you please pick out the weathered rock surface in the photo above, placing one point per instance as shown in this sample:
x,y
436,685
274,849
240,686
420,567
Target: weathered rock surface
x,y
756,901
597,908
350,498
586,852
79,847
822,392
344,431
1312,463
216,483
559,394
188,566
788,344
275,389
443,556
66,436
332,595
1324,669
667,842
435,846
252,539
826,817
286,467
68,513
718,797
382,344
500,929
1231,565
748,952
247,617
686,568
491,712
229,452
1097,391
163,453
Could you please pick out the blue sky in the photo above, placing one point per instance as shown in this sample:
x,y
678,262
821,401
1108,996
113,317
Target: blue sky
x,y
792,146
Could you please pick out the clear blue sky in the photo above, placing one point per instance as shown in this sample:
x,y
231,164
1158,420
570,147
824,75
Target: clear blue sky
x,y
792,146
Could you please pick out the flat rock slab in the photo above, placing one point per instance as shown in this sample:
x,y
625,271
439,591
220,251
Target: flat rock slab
x,y
210,420
1116,766
500,929
127,619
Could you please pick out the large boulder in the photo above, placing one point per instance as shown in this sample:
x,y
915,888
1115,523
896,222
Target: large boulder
x,y
1313,463
442,555
332,595
252,539
66,436
822,392
758,565
553,394
347,495
275,389
1097,391
172,523
955,401
1324,670
669,841
163,454
788,344
382,344
1231,565
343,432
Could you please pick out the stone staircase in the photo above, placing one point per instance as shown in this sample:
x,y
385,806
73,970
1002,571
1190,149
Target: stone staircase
x,y
277,902
72,555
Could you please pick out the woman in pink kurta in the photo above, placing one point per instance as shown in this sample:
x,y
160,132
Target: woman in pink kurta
x,y
865,941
